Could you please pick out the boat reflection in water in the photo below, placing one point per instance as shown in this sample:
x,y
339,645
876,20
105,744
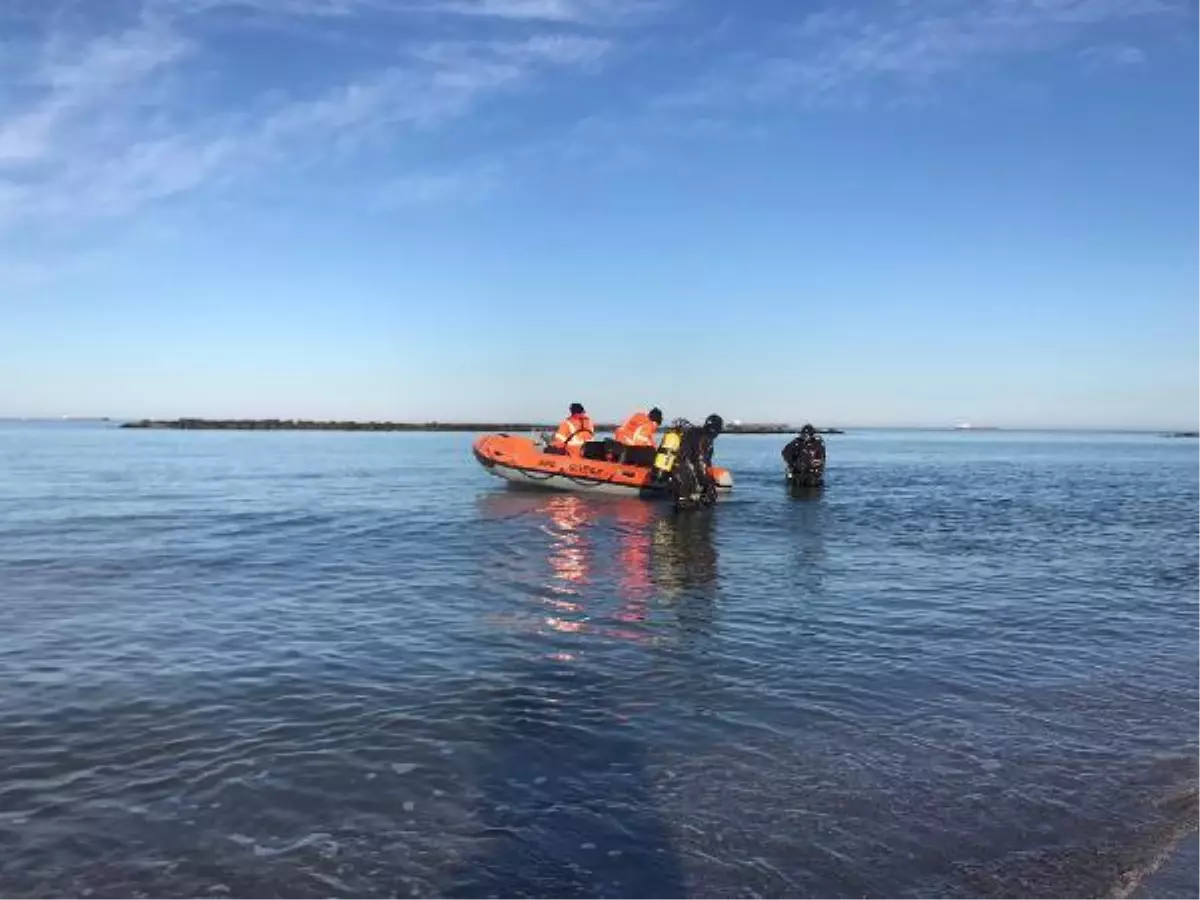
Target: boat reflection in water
x,y
583,550
570,551
583,595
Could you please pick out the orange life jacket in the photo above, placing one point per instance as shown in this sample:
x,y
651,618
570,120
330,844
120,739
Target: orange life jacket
x,y
638,431
572,433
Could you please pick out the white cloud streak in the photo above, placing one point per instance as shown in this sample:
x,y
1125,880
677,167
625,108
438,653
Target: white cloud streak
x,y
78,81
424,188
112,122
106,132
16,276
574,12
931,37
832,56
1106,55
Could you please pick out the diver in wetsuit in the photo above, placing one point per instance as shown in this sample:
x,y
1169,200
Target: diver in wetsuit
x,y
692,482
805,458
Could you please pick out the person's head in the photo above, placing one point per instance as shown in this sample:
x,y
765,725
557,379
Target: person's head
x,y
656,416
808,431
714,424
577,409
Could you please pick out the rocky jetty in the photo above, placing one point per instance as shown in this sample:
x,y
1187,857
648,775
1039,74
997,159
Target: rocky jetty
x,y
309,425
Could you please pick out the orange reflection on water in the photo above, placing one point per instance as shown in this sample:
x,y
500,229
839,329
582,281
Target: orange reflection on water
x,y
571,560
569,552
635,521
567,626
645,555
634,545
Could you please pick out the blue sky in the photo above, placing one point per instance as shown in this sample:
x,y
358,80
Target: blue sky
x,y
876,213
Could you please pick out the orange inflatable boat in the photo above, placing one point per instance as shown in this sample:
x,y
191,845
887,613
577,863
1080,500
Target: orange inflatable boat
x,y
522,461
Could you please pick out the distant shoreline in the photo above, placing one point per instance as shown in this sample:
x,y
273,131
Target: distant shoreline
x,y
753,428
308,425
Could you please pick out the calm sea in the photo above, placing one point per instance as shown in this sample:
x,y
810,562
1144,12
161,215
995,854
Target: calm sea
x,y
314,664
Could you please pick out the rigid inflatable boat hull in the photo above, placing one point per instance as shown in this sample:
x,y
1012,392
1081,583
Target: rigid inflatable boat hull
x,y
520,461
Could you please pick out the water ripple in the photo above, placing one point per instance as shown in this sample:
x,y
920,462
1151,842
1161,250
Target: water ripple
x,y
354,665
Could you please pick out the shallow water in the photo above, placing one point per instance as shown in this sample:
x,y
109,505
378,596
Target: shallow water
x,y
313,664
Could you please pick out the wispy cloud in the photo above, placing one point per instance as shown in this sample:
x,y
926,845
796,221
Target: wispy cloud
x,y
106,111
834,55
546,11
919,40
319,8
468,183
78,80
576,11
20,275
105,126
1113,55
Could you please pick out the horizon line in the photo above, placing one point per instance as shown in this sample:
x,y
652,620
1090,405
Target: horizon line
x,y
1117,429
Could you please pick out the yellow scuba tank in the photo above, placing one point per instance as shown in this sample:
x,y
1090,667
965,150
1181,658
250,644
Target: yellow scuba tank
x,y
668,450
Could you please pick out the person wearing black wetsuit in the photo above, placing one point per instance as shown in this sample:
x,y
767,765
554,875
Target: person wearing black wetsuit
x,y
693,483
805,457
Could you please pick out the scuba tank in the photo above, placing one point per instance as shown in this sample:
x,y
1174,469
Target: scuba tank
x,y
668,450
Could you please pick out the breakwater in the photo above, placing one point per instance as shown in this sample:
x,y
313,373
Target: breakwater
x,y
309,425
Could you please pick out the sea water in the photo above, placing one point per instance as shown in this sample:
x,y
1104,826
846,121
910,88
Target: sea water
x,y
317,664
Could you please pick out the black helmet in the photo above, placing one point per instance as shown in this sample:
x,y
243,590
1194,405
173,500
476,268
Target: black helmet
x,y
714,424
577,409
808,430
656,416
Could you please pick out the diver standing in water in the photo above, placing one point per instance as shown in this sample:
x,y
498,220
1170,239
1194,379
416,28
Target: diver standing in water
x,y
690,478
805,458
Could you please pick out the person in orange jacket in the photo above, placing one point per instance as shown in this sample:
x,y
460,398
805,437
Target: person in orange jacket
x,y
573,432
638,430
